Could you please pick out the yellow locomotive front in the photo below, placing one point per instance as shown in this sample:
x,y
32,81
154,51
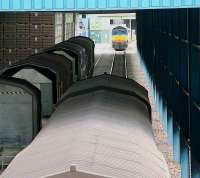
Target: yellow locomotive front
x,y
119,38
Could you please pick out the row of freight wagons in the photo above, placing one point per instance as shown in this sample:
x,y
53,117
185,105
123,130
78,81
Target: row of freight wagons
x,y
49,73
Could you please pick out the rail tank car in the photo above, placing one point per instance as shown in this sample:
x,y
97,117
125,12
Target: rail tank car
x,y
101,129
119,38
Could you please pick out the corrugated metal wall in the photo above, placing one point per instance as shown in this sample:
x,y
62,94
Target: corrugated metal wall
x,y
169,44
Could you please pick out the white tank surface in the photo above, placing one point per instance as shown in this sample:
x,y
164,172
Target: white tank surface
x,y
98,131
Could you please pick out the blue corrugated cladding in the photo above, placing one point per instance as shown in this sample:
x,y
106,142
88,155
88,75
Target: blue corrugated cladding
x,y
87,5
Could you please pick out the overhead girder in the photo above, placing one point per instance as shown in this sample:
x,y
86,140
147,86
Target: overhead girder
x,y
93,5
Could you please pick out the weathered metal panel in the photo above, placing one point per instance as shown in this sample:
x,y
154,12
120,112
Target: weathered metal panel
x,y
175,71
16,127
43,84
87,5
20,114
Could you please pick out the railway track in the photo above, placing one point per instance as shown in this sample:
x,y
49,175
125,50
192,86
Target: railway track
x,y
119,65
114,63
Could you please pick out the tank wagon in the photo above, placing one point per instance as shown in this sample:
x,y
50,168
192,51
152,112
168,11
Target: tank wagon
x,y
100,129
